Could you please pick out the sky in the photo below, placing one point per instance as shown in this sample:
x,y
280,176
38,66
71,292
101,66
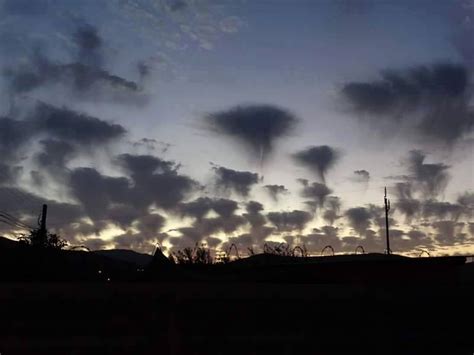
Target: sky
x,y
184,122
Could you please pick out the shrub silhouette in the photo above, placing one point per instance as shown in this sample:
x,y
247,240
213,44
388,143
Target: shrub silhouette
x,y
45,240
197,255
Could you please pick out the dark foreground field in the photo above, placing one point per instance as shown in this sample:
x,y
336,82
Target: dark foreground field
x,y
406,315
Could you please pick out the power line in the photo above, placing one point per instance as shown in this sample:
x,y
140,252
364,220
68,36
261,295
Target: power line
x,y
13,224
14,220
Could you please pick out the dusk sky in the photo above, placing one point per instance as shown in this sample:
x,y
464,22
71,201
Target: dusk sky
x,y
247,121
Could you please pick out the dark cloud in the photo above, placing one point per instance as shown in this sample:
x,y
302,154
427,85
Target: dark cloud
x,y
256,127
13,135
89,44
58,124
258,228
254,215
156,181
9,174
55,153
317,192
225,207
73,126
431,179
239,182
359,219
135,241
26,206
318,159
332,209
466,201
37,178
409,207
78,79
435,100
97,192
362,176
150,225
448,232
142,166
200,207
204,228
290,221
124,201
275,191
320,238
122,215
441,210
428,180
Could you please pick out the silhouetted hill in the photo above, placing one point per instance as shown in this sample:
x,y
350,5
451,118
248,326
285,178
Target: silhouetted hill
x,y
130,256
23,263
6,243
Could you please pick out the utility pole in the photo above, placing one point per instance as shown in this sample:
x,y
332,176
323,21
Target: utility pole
x,y
42,230
387,208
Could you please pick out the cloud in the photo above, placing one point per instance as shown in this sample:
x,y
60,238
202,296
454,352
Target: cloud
x,y
275,191
318,159
26,206
327,235
332,209
204,228
448,232
200,207
290,221
441,210
9,174
55,153
361,176
409,207
135,241
433,101
317,192
81,81
96,192
255,127
73,126
359,219
428,180
239,182
156,181
13,135
466,201
89,44
125,200
58,124
150,225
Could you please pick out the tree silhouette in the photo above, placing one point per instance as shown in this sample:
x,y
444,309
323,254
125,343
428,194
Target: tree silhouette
x,y
43,239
